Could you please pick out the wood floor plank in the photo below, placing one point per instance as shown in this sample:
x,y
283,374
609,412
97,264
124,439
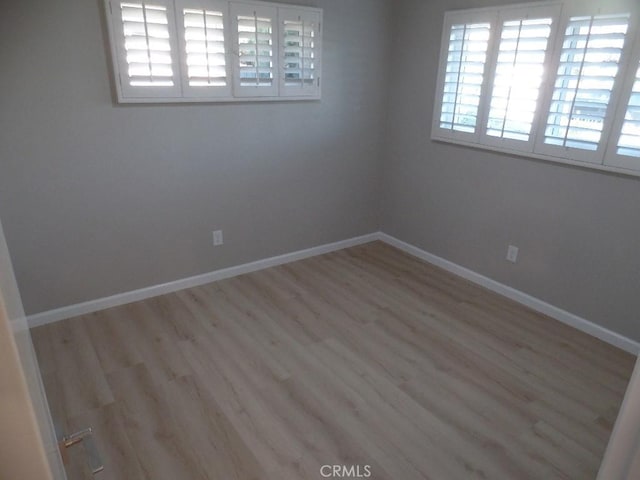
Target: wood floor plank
x,y
365,356
237,391
109,331
148,422
82,382
491,428
41,338
208,434
438,441
236,339
126,336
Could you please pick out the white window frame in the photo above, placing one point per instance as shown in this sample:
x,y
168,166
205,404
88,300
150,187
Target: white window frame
x,y
181,91
605,158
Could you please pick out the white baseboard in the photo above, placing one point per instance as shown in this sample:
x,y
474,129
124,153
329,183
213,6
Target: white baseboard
x,y
534,303
84,308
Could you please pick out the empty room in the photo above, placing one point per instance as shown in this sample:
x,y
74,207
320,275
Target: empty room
x,y
311,239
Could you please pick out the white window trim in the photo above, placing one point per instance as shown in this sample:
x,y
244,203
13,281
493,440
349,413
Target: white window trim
x,y
181,92
605,160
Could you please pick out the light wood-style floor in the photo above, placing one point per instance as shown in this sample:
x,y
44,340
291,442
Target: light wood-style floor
x,y
365,356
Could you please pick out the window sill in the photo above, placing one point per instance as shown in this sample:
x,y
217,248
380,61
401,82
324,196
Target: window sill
x,y
538,156
185,100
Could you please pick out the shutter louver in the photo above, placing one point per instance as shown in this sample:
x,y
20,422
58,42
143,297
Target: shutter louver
x,y
464,77
629,141
204,39
147,45
255,48
299,53
518,78
589,64
213,50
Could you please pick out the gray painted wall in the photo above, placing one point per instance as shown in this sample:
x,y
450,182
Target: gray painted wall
x,y
578,230
98,198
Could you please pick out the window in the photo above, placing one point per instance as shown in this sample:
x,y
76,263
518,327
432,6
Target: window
x,y
544,80
255,41
463,77
214,50
629,140
624,152
518,76
589,64
146,54
299,51
203,43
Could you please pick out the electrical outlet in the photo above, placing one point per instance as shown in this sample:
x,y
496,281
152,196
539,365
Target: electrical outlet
x,y
512,254
217,238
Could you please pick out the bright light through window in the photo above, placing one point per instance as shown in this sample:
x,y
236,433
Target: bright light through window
x,y
204,43
629,143
519,72
464,76
299,53
588,67
148,51
558,81
255,43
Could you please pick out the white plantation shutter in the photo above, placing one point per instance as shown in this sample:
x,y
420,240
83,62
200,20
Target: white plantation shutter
x,y
461,85
624,145
204,46
146,41
557,81
629,140
145,47
518,76
588,67
204,32
255,50
214,50
299,52
255,47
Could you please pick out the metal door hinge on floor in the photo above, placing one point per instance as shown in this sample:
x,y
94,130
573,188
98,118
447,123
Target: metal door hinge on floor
x,y
86,439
